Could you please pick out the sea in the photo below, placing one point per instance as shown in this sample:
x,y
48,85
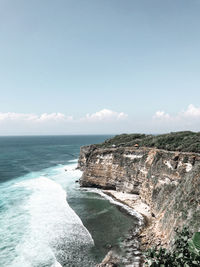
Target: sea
x,y
46,219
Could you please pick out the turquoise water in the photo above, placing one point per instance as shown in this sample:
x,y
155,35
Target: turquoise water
x,y
45,218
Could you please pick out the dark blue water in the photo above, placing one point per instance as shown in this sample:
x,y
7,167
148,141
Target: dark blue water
x,y
45,218
23,154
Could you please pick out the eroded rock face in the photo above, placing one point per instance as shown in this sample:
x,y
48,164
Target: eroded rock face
x,y
169,182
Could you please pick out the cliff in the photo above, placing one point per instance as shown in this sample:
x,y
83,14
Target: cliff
x,y
168,182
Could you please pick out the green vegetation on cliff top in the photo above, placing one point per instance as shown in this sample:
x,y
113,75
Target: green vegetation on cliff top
x,y
176,141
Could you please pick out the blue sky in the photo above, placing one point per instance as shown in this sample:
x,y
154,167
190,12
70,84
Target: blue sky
x,y
101,58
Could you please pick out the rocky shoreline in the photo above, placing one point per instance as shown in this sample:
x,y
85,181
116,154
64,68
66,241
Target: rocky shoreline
x,y
163,186
128,252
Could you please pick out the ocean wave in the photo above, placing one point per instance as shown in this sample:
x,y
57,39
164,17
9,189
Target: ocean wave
x,y
117,203
73,160
55,234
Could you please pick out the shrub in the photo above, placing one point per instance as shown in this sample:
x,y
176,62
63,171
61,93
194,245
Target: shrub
x,y
176,141
185,252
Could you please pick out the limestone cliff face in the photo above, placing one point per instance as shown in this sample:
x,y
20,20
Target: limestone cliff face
x,y
169,182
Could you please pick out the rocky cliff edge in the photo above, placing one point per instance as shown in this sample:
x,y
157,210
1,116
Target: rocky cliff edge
x,y
167,182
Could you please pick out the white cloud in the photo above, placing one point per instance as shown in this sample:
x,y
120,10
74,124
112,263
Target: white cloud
x,y
102,115
188,119
105,115
161,115
191,112
58,123
55,117
12,116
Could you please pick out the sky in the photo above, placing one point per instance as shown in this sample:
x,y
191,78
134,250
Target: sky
x,y
99,66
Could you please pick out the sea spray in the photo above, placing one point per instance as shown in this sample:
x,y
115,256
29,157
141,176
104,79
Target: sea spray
x,y
54,233
46,160
125,207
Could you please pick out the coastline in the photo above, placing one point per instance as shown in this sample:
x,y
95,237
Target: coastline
x,y
128,253
167,181
160,185
134,202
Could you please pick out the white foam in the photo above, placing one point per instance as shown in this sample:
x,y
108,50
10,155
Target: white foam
x,y
115,202
73,160
53,228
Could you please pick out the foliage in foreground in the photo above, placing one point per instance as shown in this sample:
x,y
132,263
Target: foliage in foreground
x,y
185,252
